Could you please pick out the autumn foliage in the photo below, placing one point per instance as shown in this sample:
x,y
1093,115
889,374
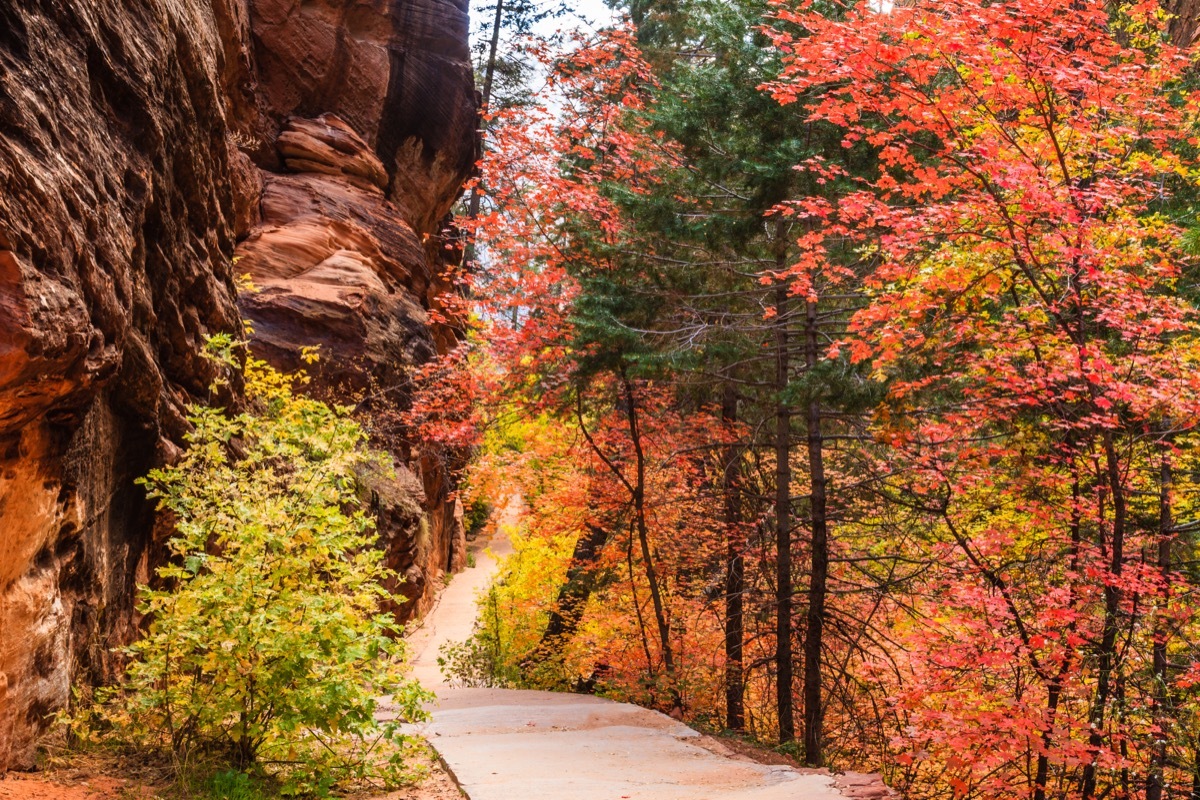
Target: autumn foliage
x,y
963,317
1026,314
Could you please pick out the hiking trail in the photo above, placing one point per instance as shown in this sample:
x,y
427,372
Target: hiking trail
x,y
506,744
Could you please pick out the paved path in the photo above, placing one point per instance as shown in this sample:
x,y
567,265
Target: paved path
x,y
524,745
453,617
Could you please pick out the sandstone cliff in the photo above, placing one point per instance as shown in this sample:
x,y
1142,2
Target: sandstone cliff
x,y
150,152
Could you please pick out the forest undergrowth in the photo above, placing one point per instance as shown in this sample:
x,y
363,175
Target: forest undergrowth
x,y
267,650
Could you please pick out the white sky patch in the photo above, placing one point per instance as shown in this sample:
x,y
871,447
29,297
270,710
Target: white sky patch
x,y
582,15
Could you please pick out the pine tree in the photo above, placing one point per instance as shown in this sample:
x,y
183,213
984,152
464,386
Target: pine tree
x,y
683,294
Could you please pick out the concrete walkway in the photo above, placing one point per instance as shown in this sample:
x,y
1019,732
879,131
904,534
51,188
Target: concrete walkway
x,y
523,745
453,616
504,744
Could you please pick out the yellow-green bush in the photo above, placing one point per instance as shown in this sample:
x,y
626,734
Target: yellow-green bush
x,y
266,648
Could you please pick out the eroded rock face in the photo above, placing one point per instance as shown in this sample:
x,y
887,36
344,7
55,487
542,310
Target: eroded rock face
x,y
116,230
336,264
140,143
329,146
375,110
397,71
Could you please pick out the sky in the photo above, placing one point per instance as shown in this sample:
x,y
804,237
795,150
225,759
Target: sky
x,y
583,11
580,14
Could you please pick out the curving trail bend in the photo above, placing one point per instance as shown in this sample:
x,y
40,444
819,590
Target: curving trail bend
x,y
503,744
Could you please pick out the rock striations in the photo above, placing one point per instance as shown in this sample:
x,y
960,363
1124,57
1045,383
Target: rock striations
x,y
150,153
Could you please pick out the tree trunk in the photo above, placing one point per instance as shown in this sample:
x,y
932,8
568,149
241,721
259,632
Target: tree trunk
x,y
1158,759
489,76
1055,687
783,522
572,596
643,534
1196,774
489,72
1107,651
1185,20
735,711
813,707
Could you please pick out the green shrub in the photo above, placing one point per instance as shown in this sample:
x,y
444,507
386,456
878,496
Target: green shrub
x,y
478,512
231,785
266,648
482,660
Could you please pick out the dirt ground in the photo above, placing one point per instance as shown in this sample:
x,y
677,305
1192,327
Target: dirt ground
x,y
29,787
438,786
64,785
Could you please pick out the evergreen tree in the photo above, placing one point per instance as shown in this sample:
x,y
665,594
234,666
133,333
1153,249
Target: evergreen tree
x,y
694,294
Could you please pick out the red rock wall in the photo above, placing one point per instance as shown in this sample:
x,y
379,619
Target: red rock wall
x,y
370,133
142,146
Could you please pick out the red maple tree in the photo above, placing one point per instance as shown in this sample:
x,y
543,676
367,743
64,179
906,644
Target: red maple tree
x,y
1026,315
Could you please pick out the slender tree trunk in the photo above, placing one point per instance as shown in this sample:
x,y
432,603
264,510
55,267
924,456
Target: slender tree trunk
x,y
1158,759
813,704
637,609
489,76
735,711
1106,655
1053,696
489,73
783,522
1196,773
1054,690
643,533
572,597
